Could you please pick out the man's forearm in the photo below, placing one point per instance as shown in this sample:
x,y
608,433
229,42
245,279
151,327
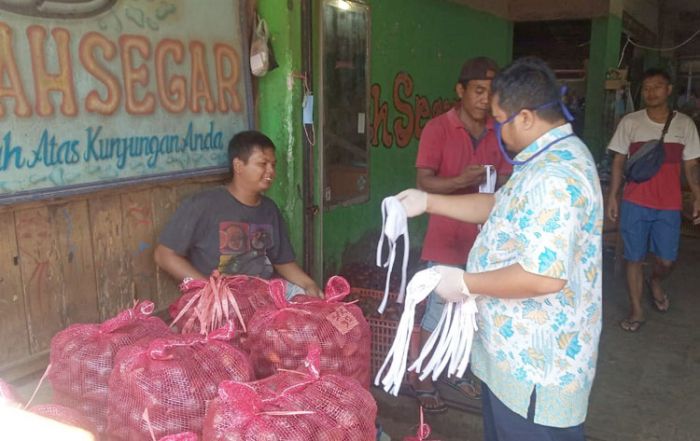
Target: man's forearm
x,y
616,172
438,184
293,273
512,282
175,265
473,208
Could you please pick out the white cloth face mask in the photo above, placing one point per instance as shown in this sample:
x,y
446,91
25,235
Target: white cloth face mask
x,y
490,185
394,225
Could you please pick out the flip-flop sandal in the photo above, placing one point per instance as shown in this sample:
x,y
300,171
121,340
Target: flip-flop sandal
x,y
459,384
422,396
660,305
631,325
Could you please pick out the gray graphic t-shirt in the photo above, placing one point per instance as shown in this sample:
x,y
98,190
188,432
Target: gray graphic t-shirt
x,y
213,230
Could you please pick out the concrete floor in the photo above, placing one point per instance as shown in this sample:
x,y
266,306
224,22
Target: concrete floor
x,y
648,384
647,387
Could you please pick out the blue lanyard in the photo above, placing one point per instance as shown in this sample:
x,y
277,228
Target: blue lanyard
x,y
540,151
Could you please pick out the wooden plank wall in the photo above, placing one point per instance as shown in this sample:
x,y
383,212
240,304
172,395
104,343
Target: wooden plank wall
x,y
80,260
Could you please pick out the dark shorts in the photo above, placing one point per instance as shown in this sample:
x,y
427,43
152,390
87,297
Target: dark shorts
x,y
647,230
502,424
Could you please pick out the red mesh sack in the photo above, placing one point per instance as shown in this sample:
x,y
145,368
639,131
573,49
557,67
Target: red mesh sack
x,y
206,305
184,436
292,406
64,415
8,395
170,378
280,336
82,358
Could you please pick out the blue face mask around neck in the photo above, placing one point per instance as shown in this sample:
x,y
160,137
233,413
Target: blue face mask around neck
x,y
499,127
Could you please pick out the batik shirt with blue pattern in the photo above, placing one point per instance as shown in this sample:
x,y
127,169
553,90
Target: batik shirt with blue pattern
x,y
547,218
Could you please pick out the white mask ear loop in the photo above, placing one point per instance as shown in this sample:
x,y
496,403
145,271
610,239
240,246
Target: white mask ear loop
x,y
430,343
490,185
420,286
380,246
394,225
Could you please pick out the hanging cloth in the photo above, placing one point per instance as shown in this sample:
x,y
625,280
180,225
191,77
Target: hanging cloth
x,y
394,225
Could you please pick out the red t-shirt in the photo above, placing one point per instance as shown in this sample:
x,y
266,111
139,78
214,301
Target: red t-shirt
x,y
446,147
663,191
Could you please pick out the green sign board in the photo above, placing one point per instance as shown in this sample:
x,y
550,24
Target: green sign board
x,y
103,93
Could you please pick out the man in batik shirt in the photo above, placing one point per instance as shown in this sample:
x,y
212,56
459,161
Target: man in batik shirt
x,y
535,268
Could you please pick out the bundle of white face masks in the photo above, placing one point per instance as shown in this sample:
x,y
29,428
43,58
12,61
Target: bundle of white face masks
x,y
452,338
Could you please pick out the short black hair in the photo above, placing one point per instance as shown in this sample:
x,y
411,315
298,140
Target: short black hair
x,y
656,72
243,144
528,83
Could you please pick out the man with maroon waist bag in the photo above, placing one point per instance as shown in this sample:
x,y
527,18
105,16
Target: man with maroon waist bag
x,y
650,213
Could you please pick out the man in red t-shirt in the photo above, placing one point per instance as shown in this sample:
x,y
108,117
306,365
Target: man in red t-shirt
x,y
650,213
453,153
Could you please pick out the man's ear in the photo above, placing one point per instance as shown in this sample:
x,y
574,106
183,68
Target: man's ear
x,y
527,119
237,164
459,90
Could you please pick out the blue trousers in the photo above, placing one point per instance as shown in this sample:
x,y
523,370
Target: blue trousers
x,y
502,424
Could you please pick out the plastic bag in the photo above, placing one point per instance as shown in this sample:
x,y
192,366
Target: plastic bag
x,y
82,357
170,378
280,337
260,53
302,405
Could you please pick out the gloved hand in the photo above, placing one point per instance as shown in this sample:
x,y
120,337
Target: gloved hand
x,y
451,286
415,202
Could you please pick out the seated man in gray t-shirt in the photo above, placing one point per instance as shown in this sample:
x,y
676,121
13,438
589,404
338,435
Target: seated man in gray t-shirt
x,y
233,228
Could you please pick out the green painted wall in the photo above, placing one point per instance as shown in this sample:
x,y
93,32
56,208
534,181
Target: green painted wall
x,y
604,54
279,97
429,40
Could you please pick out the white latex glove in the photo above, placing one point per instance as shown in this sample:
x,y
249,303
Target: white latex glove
x,y
451,287
415,202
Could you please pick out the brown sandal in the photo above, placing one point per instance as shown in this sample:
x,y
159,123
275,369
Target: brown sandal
x,y
466,386
427,397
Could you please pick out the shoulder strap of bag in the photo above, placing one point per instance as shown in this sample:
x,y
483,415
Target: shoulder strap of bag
x,y
671,114
646,148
